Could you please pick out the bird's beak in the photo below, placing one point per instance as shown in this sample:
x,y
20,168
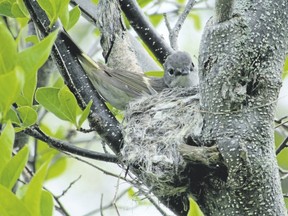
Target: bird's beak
x,y
185,72
180,72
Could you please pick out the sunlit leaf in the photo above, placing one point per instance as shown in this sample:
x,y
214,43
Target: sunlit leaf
x,y
68,104
156,19
285,69
48,98
47,204
154,73
8,50
196,20
28,116
31,59
6,140
84,114
11,205
32,197
194,209
10,82
13,169
74,16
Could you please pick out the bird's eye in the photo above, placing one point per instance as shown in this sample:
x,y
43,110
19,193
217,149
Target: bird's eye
x,y
171,71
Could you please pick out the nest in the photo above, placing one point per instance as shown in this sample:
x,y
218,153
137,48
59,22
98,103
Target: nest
x,y
154,126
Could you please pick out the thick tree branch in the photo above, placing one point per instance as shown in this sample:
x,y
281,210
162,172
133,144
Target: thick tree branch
x,y
71,70
145,30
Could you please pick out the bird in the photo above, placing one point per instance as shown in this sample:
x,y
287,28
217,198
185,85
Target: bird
x,y
119,87
179,71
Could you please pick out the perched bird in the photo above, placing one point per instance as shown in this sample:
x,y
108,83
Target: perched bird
x,y
179,71
118,87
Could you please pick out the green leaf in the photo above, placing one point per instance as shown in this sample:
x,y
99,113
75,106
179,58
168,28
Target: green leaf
x,y
131,194
6,145
10,82
8,50
32,39
16,11
143,3
44,152
47,204
181,1
48,98
60,102
57,167
84,114
68,104
285,69
95,1
156,19
14,168
11,205
12,116
23,8
32,197
31,59
28,115
47,7
5,9
154,73
196,19
63,12
194,209
74,16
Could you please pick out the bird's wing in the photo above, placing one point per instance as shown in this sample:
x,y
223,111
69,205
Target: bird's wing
x,y
134,84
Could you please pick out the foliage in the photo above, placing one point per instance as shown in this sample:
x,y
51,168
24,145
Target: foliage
x,y
31,198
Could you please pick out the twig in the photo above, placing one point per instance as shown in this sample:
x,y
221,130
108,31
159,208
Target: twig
x,y
115,197
282,146
174,33
110,204
69,186
278,121
99,168
60,145
101,205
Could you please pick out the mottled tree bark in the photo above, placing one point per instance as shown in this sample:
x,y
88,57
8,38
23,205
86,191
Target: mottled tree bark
x,y
240,64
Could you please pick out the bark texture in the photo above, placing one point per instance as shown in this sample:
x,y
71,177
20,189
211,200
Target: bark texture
x,y
240,66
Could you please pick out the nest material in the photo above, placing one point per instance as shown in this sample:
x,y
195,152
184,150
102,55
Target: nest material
x,y
154,126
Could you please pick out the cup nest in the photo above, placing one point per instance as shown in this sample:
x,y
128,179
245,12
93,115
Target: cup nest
x,y
154,126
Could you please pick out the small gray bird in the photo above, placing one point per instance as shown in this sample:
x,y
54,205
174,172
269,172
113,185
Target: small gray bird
x,y
179,71
118,87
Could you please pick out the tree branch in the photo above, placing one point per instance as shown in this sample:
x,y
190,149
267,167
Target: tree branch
x,y
223,10
282,146
100,118
60,145
174,33
145,30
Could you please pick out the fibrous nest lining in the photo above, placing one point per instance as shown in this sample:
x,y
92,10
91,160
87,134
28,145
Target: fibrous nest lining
x,y
153,128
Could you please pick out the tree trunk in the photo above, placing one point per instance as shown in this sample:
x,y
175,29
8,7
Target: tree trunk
x,y
240,64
